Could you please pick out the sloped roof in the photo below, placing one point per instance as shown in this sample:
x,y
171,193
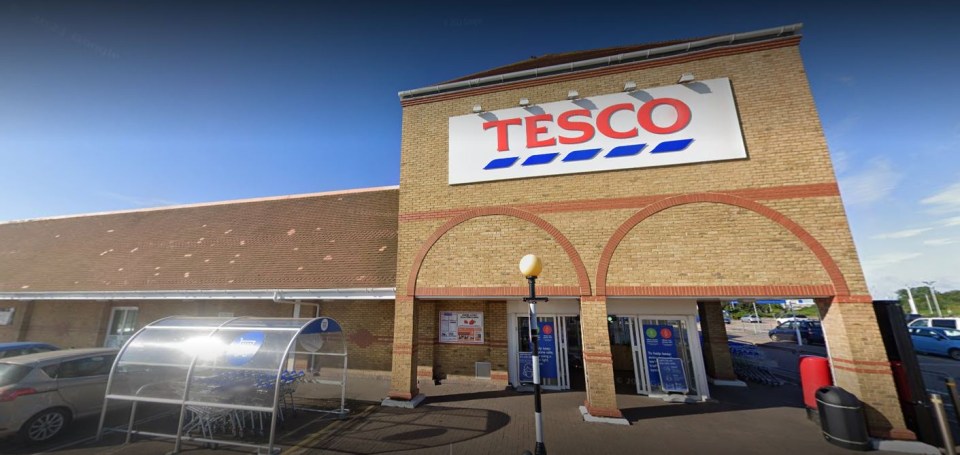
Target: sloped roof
x,y
323,241
569,57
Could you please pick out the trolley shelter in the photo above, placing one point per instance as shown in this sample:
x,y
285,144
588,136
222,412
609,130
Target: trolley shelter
x,y
232,379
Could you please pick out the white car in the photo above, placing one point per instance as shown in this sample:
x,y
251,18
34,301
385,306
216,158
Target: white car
x,y
798,317
946,323
41,393
751,318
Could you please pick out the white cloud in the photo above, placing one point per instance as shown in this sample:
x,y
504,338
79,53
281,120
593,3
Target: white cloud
x,y
872,184
947,200
841,161
902,234
953,221
938,242
887,259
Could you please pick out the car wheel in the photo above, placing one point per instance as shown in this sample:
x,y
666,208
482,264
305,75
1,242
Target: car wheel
x,y
954,354
44,425
775,337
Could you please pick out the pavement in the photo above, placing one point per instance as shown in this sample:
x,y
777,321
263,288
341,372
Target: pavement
x,y
483,419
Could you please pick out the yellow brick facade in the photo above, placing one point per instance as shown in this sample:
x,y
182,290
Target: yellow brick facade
x,y
771,220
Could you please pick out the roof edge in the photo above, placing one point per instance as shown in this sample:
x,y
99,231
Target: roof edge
x,y
236,294
774,32
207,204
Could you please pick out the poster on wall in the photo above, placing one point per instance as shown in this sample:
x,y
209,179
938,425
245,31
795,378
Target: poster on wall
x,y
6,316
462,328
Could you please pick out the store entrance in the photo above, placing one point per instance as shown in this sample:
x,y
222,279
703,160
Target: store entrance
x,y
654,355
561,352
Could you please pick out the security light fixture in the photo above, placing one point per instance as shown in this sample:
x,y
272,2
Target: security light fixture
x,y
524,102
686,77
477,109
629,86
573,94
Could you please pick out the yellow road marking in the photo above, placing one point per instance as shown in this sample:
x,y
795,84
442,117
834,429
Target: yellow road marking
x,y
304,444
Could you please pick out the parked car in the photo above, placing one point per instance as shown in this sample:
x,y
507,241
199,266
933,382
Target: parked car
x,y
787,317
41,393
751,318
23,348
936,341
811,332
947,323
726,317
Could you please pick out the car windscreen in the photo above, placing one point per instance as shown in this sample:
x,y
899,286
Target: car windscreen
x,y
12,374
951,334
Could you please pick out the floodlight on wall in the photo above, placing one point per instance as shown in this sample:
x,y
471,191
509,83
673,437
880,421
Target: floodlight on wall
x,y
477,108
686,77
629,86
524,102
573,94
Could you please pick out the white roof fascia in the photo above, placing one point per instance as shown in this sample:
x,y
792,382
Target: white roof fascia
x,y
237,294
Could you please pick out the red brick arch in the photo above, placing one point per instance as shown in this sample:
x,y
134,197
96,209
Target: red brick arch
x,y
836,276
572,254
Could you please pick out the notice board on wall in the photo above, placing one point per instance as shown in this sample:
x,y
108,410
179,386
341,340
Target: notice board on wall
x,y
461,328
6,316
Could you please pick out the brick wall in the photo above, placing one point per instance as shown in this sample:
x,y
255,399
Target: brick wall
x,y
368,327
785,146
458,361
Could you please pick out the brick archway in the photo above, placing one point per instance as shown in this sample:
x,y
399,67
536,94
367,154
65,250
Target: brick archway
x,y
582,277
833,271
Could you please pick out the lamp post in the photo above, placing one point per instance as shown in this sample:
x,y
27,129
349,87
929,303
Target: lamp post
x,y
530,267
934,294
913,305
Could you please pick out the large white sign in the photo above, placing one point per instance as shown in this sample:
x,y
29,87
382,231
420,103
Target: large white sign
x,y
689,123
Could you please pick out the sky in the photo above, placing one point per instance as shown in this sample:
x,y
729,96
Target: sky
x,y
130,104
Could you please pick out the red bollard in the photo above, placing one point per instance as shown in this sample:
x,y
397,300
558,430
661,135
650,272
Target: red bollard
x,y
814,374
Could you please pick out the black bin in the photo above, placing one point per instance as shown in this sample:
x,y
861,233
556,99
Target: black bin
x,y
842,419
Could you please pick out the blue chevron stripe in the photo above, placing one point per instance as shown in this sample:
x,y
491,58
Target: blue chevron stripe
x,y
589,154
625,150
543,158
672,146
582,155
501,163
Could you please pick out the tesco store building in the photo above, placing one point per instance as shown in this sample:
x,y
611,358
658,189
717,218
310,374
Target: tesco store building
x,y
654,182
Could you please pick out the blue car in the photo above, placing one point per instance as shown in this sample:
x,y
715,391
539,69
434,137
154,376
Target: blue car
x,y
810,332
936,341
23,348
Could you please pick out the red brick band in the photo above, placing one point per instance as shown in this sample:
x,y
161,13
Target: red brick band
x,y
861,362
816,290
636,202
602,412
652,63
400,395
498,291
572,254
863,370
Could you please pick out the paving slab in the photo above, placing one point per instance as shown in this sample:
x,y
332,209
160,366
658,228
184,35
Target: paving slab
x,y
486,419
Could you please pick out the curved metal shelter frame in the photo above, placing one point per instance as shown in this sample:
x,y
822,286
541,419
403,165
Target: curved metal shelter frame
x,y
222,372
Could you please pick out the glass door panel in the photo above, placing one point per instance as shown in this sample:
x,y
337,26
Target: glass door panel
x,y
550,365
668,362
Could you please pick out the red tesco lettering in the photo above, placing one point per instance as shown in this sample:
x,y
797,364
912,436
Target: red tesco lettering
x,y
536,126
